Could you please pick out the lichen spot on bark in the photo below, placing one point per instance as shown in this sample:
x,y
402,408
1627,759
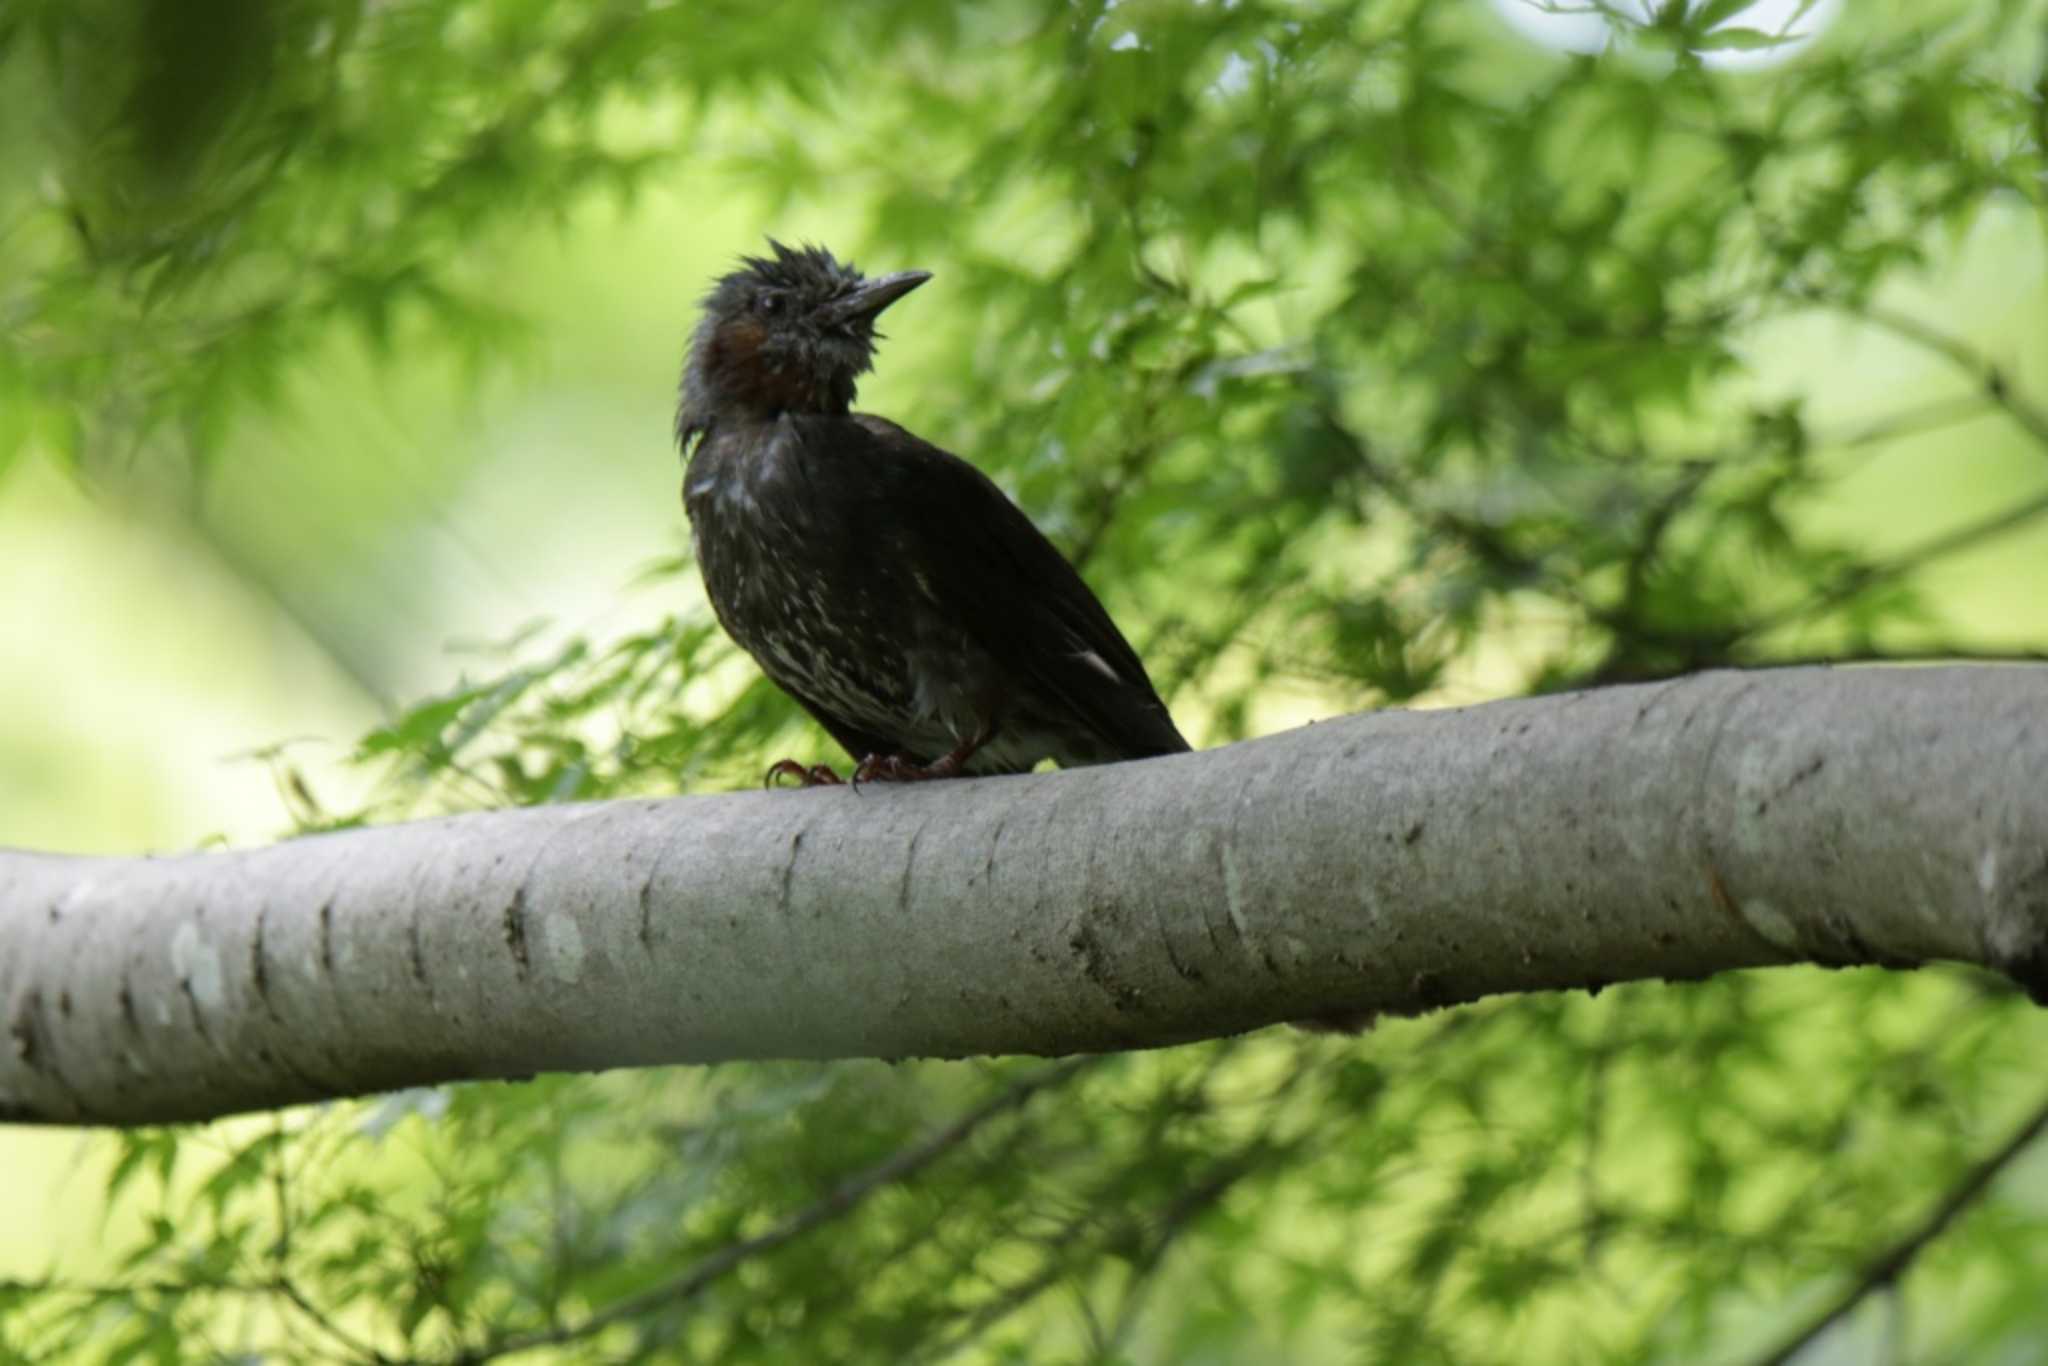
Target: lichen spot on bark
x,y
1773,924
197,963
563,945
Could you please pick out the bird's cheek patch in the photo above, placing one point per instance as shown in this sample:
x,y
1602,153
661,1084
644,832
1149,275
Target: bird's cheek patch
x,y
736,345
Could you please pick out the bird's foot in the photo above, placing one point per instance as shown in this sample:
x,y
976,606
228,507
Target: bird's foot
x,y
895,768
816,775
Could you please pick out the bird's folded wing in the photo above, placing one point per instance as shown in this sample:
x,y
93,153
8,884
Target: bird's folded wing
x,y
1014,592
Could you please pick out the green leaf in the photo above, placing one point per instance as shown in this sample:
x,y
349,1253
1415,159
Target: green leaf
x,y
1740,39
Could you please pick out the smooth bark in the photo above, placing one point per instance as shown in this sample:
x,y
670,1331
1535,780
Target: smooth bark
x,y
1398,861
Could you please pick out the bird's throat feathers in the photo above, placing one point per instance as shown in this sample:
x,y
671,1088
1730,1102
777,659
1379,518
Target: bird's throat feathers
x,y
739,370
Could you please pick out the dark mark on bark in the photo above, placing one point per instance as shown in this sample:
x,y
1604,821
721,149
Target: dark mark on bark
x,y
909,862
1122,997
1717,891
198,1015
988,869
1428,989
796,846
2029,968
64,1002
259,965
311,1086
1414,833
416,955
1209,930
647,883
21,1030
128,1016
27,1032
1806,770
1856,949
327,938
515,931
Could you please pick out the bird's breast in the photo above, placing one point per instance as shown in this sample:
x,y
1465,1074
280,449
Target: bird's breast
x,y
746,475
793,581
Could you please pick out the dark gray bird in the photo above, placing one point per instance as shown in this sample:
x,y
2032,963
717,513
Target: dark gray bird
x,y
886,585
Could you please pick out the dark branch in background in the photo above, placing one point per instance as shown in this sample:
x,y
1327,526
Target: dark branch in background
x,y
1919,654
1650,538
1865,577
1997,391
1930,416
1144,1239
839,1202
281,1253
2031,417
1722,646
1145,444
1480,540
1884,1270
1087,1236
1129,469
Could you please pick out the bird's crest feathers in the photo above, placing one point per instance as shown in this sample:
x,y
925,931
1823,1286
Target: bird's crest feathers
x,y
796,268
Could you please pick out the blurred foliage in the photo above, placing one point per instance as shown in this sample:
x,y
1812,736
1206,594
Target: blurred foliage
x,y
1359,350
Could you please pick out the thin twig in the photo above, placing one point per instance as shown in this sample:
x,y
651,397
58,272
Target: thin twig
x,y
2031,417
1906,562
280,1259
1176,1220
363,1351
1888,1266
840,1201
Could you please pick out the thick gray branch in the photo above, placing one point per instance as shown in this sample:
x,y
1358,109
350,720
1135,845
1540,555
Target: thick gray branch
x,y
1396,861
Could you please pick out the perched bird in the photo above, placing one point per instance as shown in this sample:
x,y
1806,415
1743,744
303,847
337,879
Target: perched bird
x,y
886,585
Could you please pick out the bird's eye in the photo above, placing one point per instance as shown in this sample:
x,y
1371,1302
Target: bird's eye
x,y
771,304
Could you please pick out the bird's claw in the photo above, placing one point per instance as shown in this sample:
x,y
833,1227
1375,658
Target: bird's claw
x,y
875,768
896,768
815,775
885,768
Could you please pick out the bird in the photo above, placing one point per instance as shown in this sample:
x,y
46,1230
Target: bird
x,y
887,585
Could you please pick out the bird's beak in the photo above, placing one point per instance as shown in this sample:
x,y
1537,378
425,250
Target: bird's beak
x,y
877,294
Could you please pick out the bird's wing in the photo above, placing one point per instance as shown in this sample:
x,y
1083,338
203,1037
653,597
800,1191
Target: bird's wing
x,y
855,741
1013,591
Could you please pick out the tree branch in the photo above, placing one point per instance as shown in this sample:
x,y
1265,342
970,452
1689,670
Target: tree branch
x,y
1888,1266
840,1201
1991,379
1395,862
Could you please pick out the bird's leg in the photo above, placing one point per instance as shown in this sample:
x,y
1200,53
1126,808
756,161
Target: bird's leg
x,y
817,775
895,768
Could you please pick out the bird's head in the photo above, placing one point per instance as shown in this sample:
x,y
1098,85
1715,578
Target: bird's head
x,y
785,333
